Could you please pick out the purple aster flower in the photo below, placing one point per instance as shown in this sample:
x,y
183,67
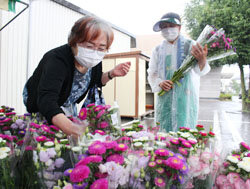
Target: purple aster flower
x,y
14,126
80,185
22,132
67,172
82,156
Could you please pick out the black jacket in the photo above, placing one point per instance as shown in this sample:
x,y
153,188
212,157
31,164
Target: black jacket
x,y
50,85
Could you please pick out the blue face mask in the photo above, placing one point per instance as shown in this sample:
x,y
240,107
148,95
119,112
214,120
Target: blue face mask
x,y
170,34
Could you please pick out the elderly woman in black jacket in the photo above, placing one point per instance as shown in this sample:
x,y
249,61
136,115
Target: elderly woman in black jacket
x,y
65,74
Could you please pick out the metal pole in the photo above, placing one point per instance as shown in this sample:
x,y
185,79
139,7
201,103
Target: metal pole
x,y
27,5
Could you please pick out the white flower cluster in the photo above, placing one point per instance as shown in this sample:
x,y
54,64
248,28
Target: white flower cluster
x,y
4,151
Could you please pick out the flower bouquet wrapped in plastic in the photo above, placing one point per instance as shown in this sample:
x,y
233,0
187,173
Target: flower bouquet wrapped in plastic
x,y
219,46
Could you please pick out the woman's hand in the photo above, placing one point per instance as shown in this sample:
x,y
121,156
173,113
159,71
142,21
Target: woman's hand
x,y
120,70
166,85
200,54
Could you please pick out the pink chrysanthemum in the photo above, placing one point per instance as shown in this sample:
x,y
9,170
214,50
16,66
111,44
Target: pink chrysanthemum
x,y
10,113
152,164
90,159
183,151
90,105
83,114
100,114
159,182
121,147
181,139
174,141
245,145
37,126
45,128
98,108
79,173
54,127
191,141
237,156
100,132
110,144
174,163
162,152
97,149
103,125
41,138
186,144
117,158
159,161
100,184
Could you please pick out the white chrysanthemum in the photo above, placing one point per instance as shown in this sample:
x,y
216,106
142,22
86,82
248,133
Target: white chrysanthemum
x,y
192,139
185,135
130,133
76,149
172,133
231,168
138,144
136,140
149,149
246,159
59,135
3,155
232,159
245,165
49,144
160,144
5,149
193,131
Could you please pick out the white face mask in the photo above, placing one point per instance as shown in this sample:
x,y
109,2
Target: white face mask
x,y
89,58
170,34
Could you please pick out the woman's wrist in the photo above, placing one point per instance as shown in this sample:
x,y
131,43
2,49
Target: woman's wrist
x,y
110,74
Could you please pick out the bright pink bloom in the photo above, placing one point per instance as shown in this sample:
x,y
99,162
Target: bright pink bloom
x,y
100,132
79,173
103,125
100,184
54,127
100,114
110,144
83,114
160,170
41,138
117,158
151,164
45,128
174,163
162,152
121,147
159,182
240,184
248,184
97,149
181,139
174,141
90,105
203,134
159,161
186,144
37,126
90,159
245,146
183,151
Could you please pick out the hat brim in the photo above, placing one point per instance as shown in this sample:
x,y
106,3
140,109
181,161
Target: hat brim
x,y
157,28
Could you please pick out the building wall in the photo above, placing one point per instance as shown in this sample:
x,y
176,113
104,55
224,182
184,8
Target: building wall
x,y
43,26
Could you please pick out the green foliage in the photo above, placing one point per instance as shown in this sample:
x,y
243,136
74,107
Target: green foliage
x,y
235,86
225,96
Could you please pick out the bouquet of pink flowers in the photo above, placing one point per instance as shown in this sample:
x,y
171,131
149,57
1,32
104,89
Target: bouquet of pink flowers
x,y
235,172
219,46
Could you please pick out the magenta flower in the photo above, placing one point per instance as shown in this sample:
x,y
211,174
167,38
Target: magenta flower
x,y
121,147
41,138
117,158
100,114
183,151
10,113
162,152
244,146
103,124
100,184
159,161
181,139
159,182
97,148
54,127
90,105
79,173
174,162
37,126
98,108
100,132
232,177
90,159
83,114
174,141
186,144
110,144
151,164
45,128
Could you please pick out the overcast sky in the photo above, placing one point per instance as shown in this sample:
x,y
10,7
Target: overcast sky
x,y
135,16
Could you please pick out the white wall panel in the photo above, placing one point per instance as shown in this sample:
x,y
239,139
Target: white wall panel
x,y
13,58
